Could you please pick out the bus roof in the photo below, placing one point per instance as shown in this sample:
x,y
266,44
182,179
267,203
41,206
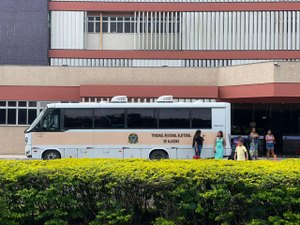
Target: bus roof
x,y
196,104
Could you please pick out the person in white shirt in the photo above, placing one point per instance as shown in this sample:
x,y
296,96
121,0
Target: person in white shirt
x,y
240,152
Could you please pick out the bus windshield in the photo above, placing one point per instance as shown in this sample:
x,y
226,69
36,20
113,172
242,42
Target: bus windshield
x,y
36,121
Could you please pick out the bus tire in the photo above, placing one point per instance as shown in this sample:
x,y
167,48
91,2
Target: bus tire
x,y
158,154
51,154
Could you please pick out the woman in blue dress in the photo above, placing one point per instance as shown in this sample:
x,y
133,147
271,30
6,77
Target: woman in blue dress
x,y
219,145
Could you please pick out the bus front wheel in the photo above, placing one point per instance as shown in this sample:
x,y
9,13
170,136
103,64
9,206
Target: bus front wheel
x,y
51,154
159,154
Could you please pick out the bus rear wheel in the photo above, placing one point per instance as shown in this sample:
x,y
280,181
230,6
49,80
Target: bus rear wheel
x,y
51,154
159,154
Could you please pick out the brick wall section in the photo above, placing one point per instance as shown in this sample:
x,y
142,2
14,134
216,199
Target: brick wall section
x,y
24,34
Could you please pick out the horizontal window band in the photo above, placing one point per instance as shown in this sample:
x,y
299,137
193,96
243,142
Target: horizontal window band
x,y
196,54
173,7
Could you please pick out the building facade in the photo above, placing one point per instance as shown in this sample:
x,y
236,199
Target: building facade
x,y
267,97
24,32
173,33
242,52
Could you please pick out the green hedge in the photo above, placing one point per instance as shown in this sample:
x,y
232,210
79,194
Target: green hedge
x,y
167,192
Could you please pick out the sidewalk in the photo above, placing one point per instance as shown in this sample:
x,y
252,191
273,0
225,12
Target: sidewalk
x,y
23,157
19,157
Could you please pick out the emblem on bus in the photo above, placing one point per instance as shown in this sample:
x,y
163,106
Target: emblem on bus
x,y
133,138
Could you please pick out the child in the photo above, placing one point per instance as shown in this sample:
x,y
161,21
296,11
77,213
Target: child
x,y
240,151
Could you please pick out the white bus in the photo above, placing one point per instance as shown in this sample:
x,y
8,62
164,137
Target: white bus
x,y
119,129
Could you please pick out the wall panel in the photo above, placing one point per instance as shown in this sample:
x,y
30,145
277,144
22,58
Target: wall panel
x,y
150,62
249,30
24,32
267,30
67,30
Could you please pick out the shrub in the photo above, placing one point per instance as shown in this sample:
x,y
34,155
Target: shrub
x,y
110,191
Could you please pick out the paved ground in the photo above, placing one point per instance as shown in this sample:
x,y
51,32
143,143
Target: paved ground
x,y
23,157
13,157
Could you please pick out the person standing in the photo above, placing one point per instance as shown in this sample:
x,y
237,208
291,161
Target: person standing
x,y
254,137
270,144
198,143
241,153
219,145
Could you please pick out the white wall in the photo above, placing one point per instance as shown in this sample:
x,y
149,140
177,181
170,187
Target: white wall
x,y
266,30
110,41
93,41
67,30
158,41
132,41
158,37
118,41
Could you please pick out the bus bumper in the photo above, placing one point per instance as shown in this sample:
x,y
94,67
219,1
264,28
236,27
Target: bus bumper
x,y
28,152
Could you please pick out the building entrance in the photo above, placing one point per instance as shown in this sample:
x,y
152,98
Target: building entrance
x,y
282,119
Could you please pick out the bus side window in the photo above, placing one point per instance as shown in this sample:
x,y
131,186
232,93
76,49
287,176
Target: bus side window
x,y
109,118
201,118
141,118
174,118
78,119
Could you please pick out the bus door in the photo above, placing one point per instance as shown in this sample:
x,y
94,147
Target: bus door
x,y
219,124
218,120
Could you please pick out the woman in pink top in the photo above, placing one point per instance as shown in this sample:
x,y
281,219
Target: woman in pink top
x,y
270,142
